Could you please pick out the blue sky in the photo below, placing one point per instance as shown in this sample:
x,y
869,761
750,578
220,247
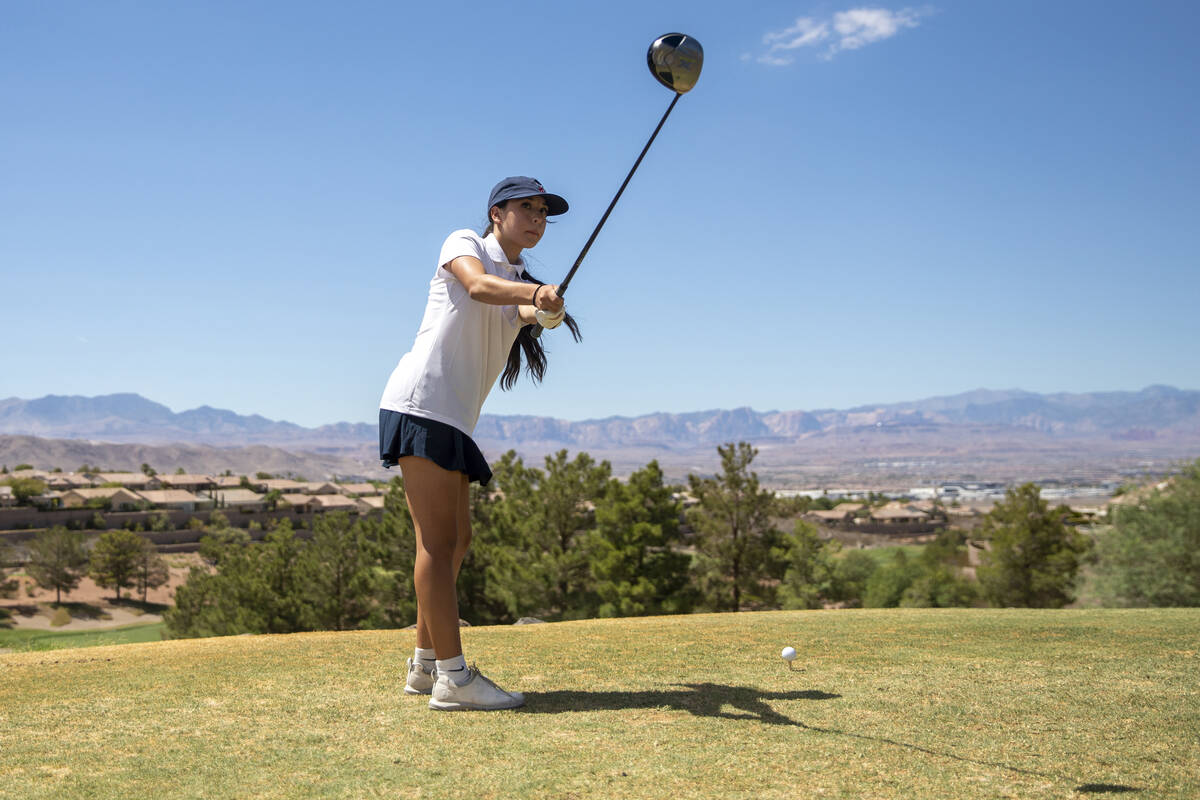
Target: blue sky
x,y
240,204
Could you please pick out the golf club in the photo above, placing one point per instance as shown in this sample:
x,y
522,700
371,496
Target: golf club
x,y
675,60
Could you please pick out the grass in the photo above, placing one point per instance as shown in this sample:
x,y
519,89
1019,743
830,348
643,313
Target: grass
x,y
26,639
888,704
885,555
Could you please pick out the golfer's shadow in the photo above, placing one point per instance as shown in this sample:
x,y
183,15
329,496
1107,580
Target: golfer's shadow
x,y
699,699
737,702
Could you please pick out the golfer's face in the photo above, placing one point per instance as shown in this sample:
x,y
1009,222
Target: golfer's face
x,y
523,221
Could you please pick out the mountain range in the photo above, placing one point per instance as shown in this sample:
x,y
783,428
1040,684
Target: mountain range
x,y
980,431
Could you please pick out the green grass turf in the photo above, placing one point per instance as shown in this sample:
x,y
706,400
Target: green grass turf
x,y
900,703
885,555
23,639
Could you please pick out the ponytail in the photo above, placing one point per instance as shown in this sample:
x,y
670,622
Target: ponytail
x,y
535,351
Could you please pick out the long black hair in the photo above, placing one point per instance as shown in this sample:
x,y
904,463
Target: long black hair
x,y
535,351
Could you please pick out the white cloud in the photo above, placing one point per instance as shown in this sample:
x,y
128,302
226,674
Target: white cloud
x,y
862,26
845,30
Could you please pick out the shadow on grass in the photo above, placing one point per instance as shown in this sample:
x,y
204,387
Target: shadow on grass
x,y
746,703
700,699
19,610
144,607
83,610
1102,788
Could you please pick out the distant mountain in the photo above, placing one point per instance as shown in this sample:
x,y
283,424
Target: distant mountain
x,y
1001,435
133,418
1156,411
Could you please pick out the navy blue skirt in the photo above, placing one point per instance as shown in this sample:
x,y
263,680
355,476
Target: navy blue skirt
x,y
445,445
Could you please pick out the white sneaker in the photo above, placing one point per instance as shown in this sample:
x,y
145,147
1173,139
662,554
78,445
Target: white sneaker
x,y
420,680
477,694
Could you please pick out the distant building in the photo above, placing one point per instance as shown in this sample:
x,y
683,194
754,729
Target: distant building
x,y
177,500
136,481
62,481
187,483
320,487
332,502
369,504
117,498
281,485
360,489
239,500
899,514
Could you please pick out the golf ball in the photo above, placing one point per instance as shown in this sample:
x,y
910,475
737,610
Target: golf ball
x,y
789,653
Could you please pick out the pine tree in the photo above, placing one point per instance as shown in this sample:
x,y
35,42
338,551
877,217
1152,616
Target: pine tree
x,y
58,559
1151,556
559,524
114,561
734,534
343,583
1034,556
152,570
808,580
636,565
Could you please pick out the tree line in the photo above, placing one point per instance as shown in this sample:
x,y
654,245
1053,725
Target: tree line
x,y
569,541
59,559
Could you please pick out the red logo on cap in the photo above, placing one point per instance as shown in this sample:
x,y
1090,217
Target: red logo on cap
x,y
539,185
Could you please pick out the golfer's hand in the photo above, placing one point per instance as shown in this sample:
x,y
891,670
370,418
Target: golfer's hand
x,y
547,299
548,320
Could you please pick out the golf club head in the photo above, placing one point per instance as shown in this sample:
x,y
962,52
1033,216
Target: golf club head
x,y
675,60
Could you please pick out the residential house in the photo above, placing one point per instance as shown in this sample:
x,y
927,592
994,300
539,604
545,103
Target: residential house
x,y
370,503
293,500
239,500
228,481
177,500
136,481
360,489
47,500
897,514
7,498
187,483
116,497
62,481
281,485
40,474
331,502
320,487
841,514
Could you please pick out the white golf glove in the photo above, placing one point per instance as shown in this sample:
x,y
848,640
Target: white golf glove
x,y
548,320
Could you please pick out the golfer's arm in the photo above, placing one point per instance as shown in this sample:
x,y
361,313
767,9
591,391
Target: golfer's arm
x,y
528,314
491,289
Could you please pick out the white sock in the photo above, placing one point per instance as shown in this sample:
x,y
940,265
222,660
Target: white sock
x,y
453,668
426,657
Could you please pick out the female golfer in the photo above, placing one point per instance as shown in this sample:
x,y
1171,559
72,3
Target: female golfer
x,y
477,322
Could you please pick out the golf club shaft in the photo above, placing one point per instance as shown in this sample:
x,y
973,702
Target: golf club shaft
x,y
562,287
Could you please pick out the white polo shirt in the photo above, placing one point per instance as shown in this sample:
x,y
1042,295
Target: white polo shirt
x,y
462,344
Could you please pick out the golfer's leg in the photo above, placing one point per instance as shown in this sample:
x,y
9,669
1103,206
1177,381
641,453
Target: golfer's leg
x,y
432,494
464,524
460,552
